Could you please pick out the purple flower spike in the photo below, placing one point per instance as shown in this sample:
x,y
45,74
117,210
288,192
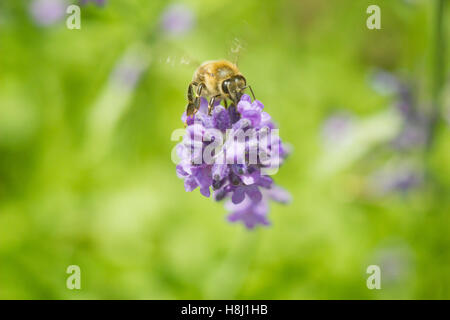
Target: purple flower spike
x,y
229,151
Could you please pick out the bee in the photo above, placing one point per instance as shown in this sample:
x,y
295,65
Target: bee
x,y
216,80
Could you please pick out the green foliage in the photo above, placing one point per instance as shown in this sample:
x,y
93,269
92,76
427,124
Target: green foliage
x,y
86,176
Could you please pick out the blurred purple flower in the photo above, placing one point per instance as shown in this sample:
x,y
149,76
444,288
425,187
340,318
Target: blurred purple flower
x,y
405,103
383,82
396,260
177,20
47,12
398,179
97,2
337,128
244,182
415,129
413,134
127,74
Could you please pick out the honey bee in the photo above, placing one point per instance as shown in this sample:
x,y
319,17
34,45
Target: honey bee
x,y
220,79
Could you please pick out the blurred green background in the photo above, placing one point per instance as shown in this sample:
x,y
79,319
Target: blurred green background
x,y
86,176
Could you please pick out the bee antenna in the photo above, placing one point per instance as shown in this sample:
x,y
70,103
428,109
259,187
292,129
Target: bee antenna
x,y
236,48
251,90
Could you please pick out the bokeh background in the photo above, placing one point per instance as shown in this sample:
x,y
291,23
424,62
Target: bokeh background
x,y
86,176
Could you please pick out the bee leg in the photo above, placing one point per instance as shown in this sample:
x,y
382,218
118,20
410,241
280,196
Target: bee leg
x,y
225,102
193,99
211,103
191,108
190,93
193,102
199,89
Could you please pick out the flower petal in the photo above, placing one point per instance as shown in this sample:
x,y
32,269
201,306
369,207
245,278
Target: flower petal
x,y
190,184
238,195
258,105
254,193
280,195
180,171
221,118
205,191
253,115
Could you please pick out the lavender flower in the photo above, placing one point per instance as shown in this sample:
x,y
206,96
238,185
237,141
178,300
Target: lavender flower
x,y
47,12
177,20
235,169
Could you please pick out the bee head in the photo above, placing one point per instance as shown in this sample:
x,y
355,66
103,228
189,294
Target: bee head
x,y
234,87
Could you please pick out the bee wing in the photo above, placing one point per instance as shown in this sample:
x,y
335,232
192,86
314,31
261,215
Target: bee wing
x,y
236,48
174,56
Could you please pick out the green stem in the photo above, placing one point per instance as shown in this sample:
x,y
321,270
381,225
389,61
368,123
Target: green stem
x,y
438,68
